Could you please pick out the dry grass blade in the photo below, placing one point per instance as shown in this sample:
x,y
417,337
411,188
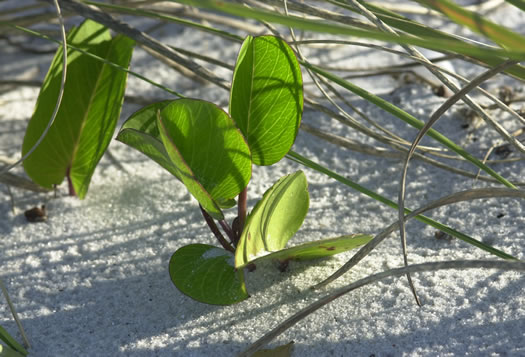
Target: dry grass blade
x,y
399,154
322,14
425,267
446,81
95,14
13,180
481,7
44,133
433,119
450,199
60,93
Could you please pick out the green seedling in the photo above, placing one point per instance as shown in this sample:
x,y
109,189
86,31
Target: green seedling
x,y
88,114
211,152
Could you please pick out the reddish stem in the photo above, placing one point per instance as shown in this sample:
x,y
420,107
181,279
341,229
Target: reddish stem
x,y
241,211
70,183
215,230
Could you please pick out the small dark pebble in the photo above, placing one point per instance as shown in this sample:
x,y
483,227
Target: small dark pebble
x,y
440,91
36,214
501,215
442,235
506,94
503,151
283,265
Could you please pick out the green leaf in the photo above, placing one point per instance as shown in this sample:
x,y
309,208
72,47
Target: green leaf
x,y
206,273
87,117
211,155
12,348
518,3
6,351
275,218
140,131
266,99
279,351
318,249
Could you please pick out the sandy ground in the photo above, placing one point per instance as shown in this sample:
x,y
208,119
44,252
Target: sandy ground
x,y
93,279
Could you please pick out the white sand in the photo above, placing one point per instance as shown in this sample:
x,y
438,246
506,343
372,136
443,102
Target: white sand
x,y
93,280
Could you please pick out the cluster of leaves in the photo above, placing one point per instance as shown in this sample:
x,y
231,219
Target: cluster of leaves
x,y
210,151
156,134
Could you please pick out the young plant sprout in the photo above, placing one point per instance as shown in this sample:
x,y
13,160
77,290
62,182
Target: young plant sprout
x,y
211,152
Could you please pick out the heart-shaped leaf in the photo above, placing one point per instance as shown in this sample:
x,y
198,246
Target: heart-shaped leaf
x,y
266,99
211,155
206,273
140,131
275,218
318,249
86,120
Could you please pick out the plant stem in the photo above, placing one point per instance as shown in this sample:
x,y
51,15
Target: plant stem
x,y
70,183
241,210
215,230
229,231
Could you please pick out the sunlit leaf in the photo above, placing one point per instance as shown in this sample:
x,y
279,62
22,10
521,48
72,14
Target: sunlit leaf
x,y
207,274
87,117
209,152
275,218
266,98
318,249
140,131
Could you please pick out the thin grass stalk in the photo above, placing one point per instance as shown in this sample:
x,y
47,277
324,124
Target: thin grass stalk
x,y
433,119
310,164
399,154
59,97
416,268
472,194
